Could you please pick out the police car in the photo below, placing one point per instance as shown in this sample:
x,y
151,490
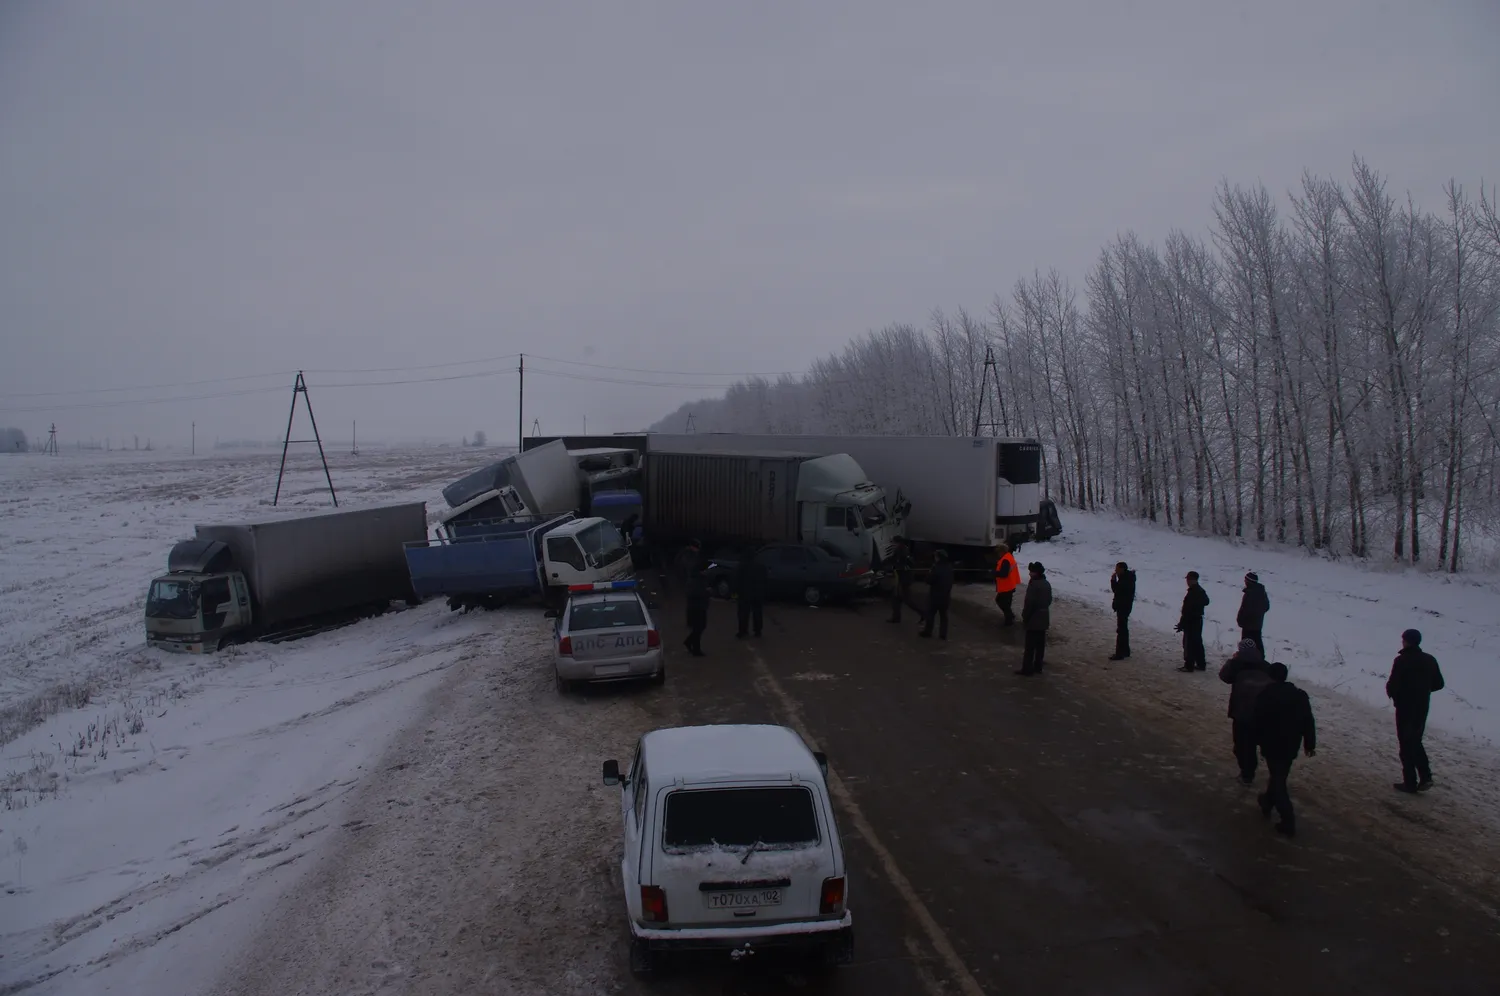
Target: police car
x,y
606,633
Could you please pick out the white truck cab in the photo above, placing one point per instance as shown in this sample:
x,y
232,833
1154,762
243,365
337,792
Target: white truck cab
x,y
730,843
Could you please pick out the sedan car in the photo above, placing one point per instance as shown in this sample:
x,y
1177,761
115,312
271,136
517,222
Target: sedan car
x,y
605,633
811,574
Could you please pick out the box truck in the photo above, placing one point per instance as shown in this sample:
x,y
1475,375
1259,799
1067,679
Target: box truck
x,y
273,578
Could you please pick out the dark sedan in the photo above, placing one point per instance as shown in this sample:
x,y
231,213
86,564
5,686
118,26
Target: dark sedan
x,y
810,574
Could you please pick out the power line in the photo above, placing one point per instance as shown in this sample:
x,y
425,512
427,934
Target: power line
x,y
670,373
152,387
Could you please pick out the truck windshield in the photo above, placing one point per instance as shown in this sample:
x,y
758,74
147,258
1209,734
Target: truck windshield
x,y
171,599
739,817
603,542
873,514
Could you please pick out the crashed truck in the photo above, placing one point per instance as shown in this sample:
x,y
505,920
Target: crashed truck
x,y
281,578
737,498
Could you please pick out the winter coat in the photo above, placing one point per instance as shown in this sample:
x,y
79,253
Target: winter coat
x,y
1247,677
686,564
1254,606
1036,611
1283,720
1193,604
1414,677
1124,591
750,579
697,591
901,565
940,582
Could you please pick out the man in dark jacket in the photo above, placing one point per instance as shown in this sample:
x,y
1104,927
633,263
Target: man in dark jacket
x,y
687,563
750,589
1253,608
1283,722
901,566
1190,625
1414,677
1247,677
1122,587
939,595
696,596
1036,616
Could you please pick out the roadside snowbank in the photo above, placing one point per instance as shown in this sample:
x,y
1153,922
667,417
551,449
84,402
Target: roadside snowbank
x,y
146,836
1335,624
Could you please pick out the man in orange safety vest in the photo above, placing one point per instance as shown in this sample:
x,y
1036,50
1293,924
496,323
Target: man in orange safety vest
x,y
1007,579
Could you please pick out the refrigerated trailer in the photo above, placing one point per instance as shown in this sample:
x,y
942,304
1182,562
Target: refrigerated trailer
x,y
241,581
966,493
541,480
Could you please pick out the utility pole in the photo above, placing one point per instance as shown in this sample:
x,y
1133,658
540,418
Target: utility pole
x,y
354,439
692,422
989,365
299,386
536,427
521,406
585,425
194,450
51,446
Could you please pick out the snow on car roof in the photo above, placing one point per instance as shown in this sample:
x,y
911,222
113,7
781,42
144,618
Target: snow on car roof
x,y
699,753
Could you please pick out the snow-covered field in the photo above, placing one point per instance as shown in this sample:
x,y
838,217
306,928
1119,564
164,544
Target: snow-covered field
x,y
155,808
1334,624
146,825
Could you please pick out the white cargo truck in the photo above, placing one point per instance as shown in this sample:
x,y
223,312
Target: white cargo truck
x,y
539,481
966,493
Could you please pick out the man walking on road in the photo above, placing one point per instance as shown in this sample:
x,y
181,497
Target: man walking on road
x,y
696,594
1190,625
1036,617
1283,722
939,595
1007,579
1122,587
1414,677
750,589
901,565
1247,676
1253,608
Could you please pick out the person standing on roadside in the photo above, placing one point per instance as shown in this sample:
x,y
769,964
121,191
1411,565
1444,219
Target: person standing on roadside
x,y
1415,675
1247,676
901,566
1122,588
939,595
696,595
1190,625
1036,617
1283,722
1253,608
689,561
1007,580
750,589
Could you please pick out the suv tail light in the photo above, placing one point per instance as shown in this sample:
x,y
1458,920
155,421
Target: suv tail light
x,y
565,646
833,896
654,903
653,639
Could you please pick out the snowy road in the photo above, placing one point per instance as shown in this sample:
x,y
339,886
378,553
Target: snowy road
x,y
1005,835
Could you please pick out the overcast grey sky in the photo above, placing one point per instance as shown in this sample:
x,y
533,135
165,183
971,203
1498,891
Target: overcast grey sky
x,y
196,190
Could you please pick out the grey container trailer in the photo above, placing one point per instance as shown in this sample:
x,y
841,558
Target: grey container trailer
x,y
722,498
314,565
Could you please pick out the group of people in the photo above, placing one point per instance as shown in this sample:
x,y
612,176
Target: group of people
x,y
1270,717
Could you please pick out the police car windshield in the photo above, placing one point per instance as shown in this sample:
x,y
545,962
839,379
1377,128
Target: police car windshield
x,y
611,614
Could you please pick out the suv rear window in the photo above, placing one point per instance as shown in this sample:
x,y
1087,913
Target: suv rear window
x,y
606,615
776,817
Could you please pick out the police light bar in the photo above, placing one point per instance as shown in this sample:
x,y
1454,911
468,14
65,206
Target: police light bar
x,y
602,586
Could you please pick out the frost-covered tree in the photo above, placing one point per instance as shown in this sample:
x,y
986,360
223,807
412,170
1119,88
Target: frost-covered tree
x,y
1322,372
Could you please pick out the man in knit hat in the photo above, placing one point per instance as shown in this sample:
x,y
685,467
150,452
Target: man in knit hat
x,y
1036,617
1253,608
1247,676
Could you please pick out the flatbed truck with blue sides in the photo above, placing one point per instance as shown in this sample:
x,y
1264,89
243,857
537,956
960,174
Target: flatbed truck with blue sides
x,y
487,564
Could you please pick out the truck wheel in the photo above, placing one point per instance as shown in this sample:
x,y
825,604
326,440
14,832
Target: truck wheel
x,y
812,595
722,588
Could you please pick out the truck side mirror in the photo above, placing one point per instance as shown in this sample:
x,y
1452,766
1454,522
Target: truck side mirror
x,y
822,760
612,773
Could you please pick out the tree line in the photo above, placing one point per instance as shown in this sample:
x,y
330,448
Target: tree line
x,y
1321,372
